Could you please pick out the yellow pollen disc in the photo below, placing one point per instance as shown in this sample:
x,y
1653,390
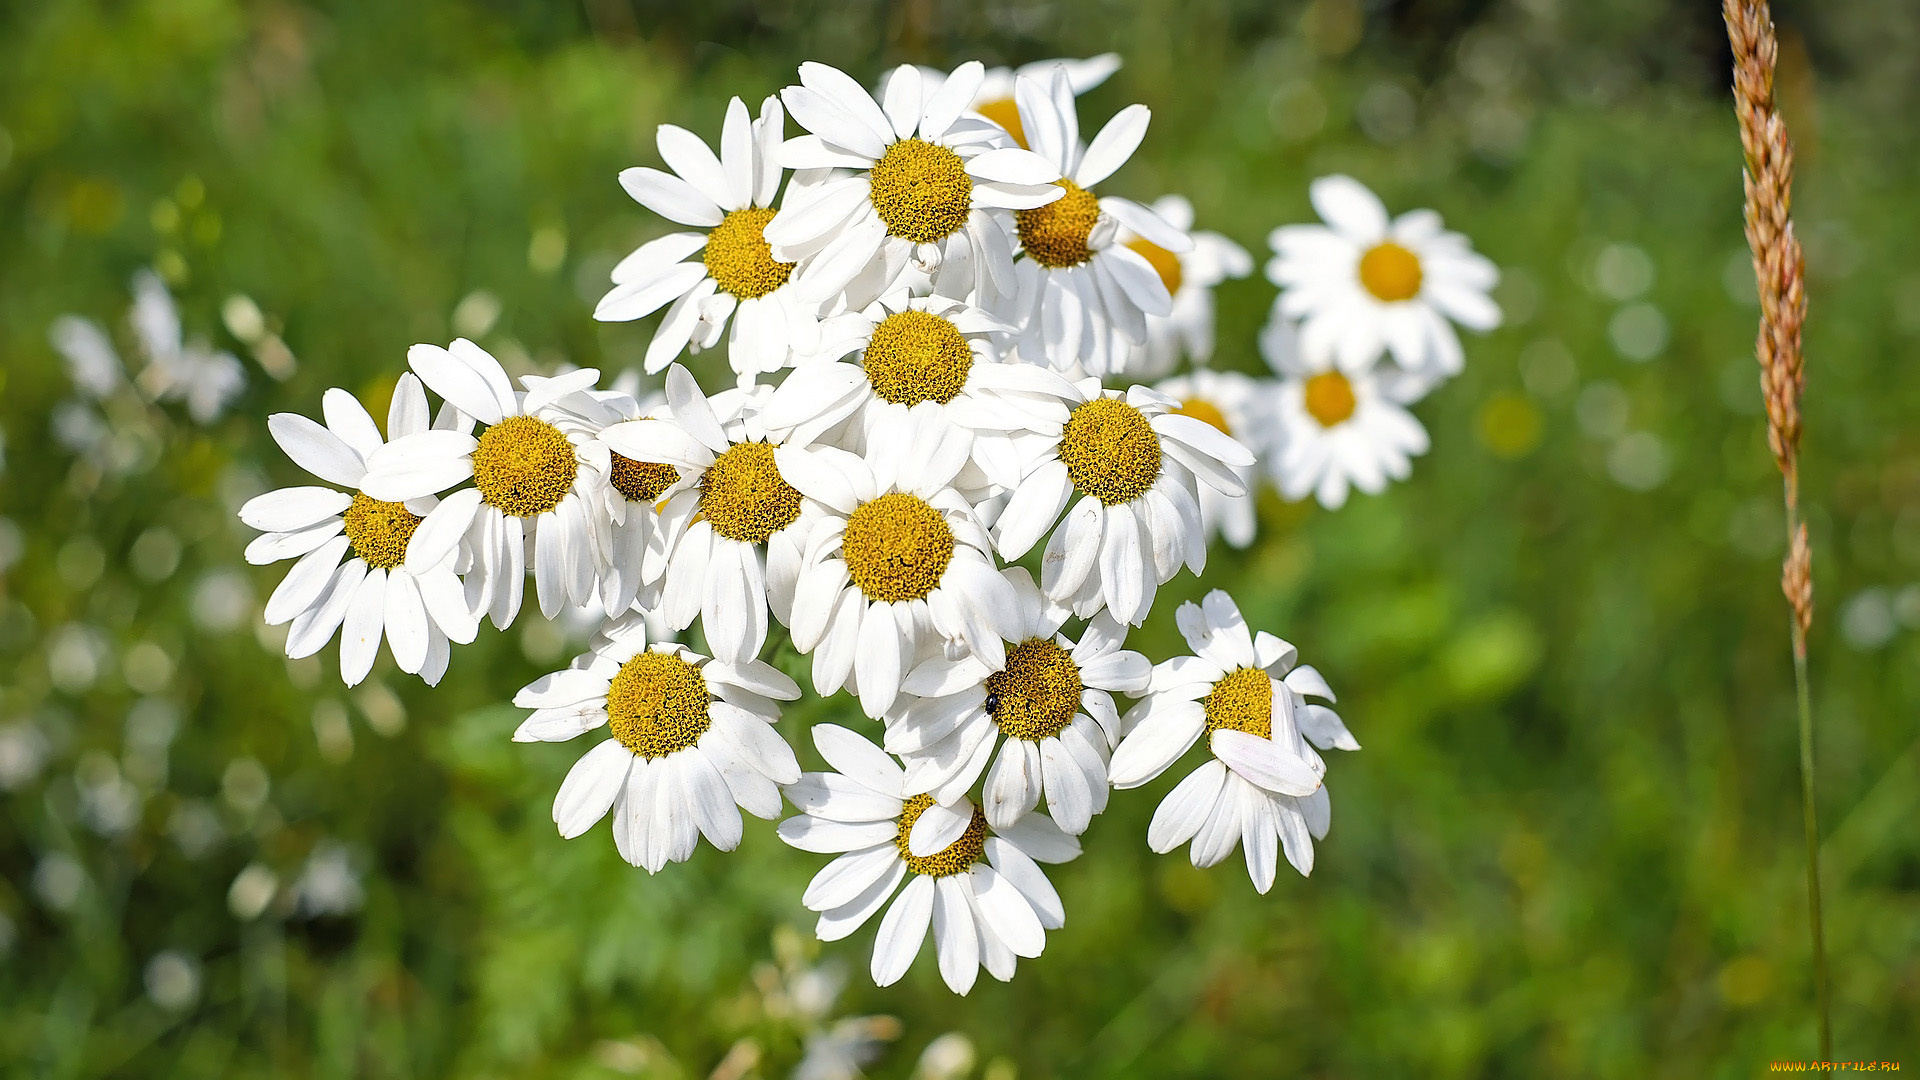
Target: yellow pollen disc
x,y
1037,694
1390,272
1007,114
1055,235
955,858
642,481
744,496
896,547
1110,451
1206,412
657,704
916,356
921,190
379,531
524,466
1329,398
1241,701
738,257
1164,262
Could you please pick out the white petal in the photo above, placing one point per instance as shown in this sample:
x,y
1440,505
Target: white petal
x,y
670,197
590,787
902,931
317,450
1264,763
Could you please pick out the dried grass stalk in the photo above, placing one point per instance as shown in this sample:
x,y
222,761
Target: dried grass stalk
x,y
1779,268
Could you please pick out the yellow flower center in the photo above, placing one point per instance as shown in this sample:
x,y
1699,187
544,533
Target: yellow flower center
x,y
915,356
379,531
1390,272
1055,235
1036,695
1329,398
955,858
657,704
642,481
524,466
1164,262
738,257
1206,412
1006,113
1241,701
1110,451
896,547
744,496
921,190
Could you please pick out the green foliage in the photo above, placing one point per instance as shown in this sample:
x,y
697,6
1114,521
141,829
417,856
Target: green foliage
x,y
1570,846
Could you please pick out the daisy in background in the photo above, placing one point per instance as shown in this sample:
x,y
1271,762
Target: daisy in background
x,y
1332,429
897,558
1235,405
206,379
1052,699
931,187
531,481
363,563
1083,296
733,519
729,198
981,888
1363,282
693,743
1132,461
1190,276
907,352
1261,786
994,99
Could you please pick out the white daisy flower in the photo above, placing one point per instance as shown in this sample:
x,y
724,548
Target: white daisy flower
x,y
1132,460
363,562
1053,700
931,187
1262,784
1190,276
733,518
1331,429
735,277
896,558
528,476
980,888
1233,403
1362,282
693,743
1084,297
910,351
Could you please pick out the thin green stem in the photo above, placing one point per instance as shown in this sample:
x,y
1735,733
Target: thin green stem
x,y
1809,812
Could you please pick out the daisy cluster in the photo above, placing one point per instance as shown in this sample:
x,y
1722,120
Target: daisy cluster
x,y
924,299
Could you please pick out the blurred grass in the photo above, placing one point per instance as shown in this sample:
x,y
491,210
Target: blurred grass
x,y
1570,845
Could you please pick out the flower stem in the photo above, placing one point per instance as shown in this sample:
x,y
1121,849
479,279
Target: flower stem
x,y
1810,816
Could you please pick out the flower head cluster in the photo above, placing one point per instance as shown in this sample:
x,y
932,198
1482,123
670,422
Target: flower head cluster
x,y
933,325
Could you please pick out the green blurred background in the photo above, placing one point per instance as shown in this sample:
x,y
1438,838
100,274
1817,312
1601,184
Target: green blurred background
x,y
1571,846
